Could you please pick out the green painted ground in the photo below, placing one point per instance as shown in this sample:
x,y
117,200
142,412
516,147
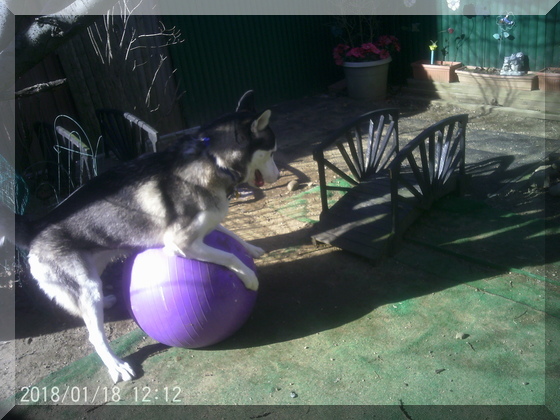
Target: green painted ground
x,y
464,315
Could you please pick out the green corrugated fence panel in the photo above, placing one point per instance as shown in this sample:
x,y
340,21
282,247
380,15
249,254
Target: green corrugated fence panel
x,y
280,57
286,57
536,36
552,39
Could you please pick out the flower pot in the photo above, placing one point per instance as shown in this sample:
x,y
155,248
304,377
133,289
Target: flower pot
x,y
441,71
367,80
549,79
491,82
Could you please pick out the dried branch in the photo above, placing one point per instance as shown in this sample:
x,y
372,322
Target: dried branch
x,y
40,87
119,42
148,94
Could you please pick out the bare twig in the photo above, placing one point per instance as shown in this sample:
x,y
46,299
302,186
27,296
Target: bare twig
x,y
39,87
148,94
121,43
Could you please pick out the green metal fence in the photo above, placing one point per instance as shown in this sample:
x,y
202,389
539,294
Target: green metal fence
x,y
473,41
280,57
286,57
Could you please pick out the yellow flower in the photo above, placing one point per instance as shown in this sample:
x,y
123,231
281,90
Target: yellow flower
x,y
433,47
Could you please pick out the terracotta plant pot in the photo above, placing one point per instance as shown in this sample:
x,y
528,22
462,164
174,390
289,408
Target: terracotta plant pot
x,y
440,71
549,79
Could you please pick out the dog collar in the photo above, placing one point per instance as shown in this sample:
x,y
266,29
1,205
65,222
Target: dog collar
x,y
234,193
229,173
206,142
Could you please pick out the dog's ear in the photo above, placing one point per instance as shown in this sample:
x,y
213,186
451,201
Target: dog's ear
x,y
261,122
247,102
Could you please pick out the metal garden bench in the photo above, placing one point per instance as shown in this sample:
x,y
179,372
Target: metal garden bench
x,y
378,190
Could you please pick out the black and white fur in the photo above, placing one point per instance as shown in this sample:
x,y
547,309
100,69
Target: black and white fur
x,y
172,198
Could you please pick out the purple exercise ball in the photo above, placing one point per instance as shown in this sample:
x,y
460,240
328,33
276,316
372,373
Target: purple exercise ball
x,y
188,303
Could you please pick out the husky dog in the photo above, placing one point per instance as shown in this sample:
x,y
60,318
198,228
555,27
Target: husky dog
x,y
169,199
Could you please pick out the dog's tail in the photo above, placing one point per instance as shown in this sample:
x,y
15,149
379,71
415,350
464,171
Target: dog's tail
x,y
13,228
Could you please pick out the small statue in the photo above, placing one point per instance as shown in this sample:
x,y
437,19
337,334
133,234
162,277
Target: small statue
x,y
506,68
515,65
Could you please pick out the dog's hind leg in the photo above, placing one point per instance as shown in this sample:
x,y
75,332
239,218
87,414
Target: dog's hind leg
x,y
73,282
92,314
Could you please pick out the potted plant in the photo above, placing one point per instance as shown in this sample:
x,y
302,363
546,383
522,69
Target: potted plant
x,y
364,56
438,70
549,79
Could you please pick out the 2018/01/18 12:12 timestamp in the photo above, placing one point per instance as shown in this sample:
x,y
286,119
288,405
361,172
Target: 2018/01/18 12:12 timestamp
x,y
101,395
166,394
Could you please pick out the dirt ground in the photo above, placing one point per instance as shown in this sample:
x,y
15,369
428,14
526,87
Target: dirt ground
x,y
47,339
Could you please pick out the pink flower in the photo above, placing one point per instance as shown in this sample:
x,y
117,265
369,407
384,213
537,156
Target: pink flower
x,y
369,48
368,51
396,43
338,53
450,30
357,52
384,40
384,54
340,49
389,41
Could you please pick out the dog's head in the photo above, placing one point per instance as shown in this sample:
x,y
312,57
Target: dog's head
x,y
243,143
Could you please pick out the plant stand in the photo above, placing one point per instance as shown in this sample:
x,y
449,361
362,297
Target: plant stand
x,y
549,79
441,71
367,80
492,82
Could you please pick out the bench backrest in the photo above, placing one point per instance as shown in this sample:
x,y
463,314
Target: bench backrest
x,y
359,149
429,167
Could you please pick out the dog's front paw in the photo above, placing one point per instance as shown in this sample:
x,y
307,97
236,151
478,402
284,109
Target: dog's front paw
x,y
254,251
172,250
121,371
250,280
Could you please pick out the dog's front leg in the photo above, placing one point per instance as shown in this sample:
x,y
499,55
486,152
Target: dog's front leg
x,y
182,244
198,250
254,251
